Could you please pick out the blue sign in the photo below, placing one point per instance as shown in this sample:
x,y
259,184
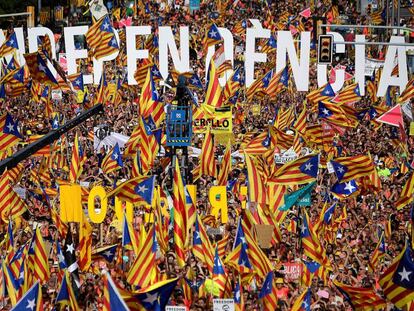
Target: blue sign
x,y
194,5
178,115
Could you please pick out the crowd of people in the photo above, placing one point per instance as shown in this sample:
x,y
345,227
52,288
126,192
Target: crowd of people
x,y
349,241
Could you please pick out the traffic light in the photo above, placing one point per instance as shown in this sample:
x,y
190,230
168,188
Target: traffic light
x,y
325,49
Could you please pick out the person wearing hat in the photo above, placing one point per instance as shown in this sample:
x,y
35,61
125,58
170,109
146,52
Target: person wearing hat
x,y
282,291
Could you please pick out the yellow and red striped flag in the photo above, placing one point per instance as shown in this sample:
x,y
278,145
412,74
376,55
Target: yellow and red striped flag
x,y
257,189
9,46
408,93
214,95
140,75
225,167
348,168
149,104
202,248
101,39
268,294
180,216
76,164
112,161
300,171
207,159
323,93
131,146
142,272
85,244
11,205
378,253
212,37
361,298
349,94
300,124
40,258
396,280
148,148
222,245
311,245
9,134
406,195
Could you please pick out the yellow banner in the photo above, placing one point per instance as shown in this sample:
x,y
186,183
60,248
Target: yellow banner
x,y
220,119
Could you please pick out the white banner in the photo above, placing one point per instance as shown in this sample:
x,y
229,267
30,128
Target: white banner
x,y
175,308
223,304
103,138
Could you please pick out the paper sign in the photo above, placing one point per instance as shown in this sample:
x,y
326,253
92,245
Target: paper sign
x,y
264,235
330,167
57,94
292,271
411,128
175,308
223,304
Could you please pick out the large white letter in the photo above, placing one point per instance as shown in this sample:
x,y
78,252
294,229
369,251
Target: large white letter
x,y
167,42
73,54
98,64
132,53
360,63
339,73
386,78
300,69
228,53
34,33
251,56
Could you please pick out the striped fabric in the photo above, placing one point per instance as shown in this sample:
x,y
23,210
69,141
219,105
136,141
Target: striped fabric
x,y
149,104
406,196
180,216
214,96
392,280
207,159
11,204
202,248
256,186
41,263
85,244
142,270
225,167
76,164
360,298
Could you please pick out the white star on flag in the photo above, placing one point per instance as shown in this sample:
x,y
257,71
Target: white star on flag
x,y
42,68
349,187
70,248
10,127
340,169
108,253
213,33
142,189
31,304
105,26
405,275
308,166
151,298
303,229
325,111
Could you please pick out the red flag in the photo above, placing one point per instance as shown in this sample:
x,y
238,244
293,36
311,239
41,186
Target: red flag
x,y
306,13
392,116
